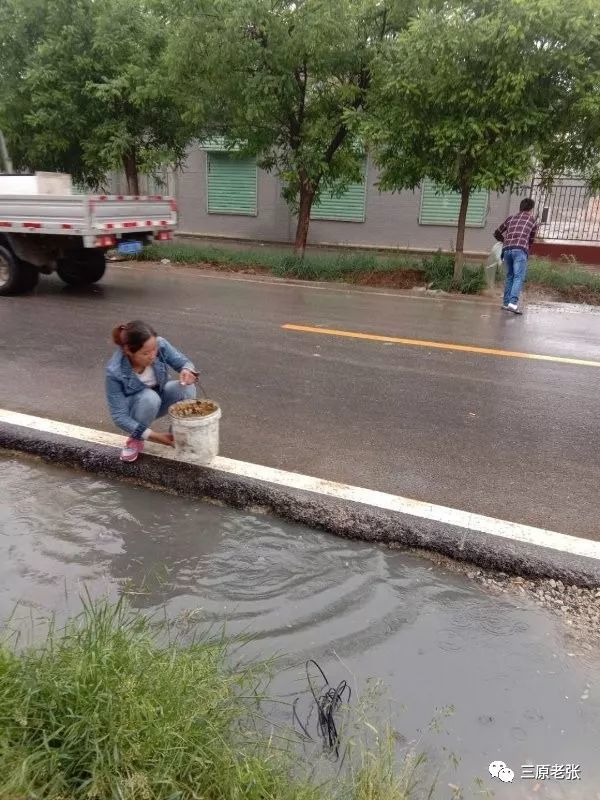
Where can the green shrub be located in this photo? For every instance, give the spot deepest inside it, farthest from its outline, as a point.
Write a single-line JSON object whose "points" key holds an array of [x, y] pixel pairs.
{"points": [[473, 280], [439, 272], [562, 278]]}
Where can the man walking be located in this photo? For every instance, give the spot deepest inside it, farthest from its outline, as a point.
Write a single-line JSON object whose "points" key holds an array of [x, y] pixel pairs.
{"points": [[516, 234]]}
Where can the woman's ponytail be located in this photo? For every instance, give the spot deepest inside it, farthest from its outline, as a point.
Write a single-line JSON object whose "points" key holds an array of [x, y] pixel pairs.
{"points": [[134, 335], [119, 336]]}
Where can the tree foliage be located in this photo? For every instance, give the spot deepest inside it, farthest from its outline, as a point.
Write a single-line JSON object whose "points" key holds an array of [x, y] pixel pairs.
{"points": [[279, 79], [472, 92], [83, 90]]}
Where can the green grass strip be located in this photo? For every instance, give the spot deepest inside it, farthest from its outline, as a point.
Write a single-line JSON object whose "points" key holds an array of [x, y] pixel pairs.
{"points": [[115, 707]]}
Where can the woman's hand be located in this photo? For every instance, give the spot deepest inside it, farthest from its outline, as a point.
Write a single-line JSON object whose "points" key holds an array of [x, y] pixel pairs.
{"points": [[187, 377], [162, 438]]}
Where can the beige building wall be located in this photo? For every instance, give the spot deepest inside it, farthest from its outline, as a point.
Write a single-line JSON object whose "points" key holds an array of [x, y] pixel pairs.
{"points": [[391, 219]]}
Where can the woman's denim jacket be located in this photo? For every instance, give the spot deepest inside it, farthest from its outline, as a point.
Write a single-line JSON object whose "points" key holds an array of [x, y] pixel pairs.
{"points": [[122, 383]]}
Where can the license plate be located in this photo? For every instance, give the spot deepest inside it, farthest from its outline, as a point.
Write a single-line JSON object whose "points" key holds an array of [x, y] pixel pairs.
{"points": [[130, 248]]}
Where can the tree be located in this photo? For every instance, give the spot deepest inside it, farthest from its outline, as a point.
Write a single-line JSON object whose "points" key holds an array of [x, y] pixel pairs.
{"points": [[575, 146], [471, 92], [21, 28], [278, 79], [90, 93], [44, 109]]}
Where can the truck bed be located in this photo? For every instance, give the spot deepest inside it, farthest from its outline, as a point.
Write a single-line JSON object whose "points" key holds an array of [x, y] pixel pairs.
{"points": [[88, 216]]}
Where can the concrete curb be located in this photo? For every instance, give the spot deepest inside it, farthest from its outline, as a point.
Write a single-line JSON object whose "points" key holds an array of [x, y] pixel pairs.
{"points": [[348, 519]]}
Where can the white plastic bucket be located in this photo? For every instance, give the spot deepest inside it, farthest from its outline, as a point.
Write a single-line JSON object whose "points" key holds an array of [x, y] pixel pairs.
{"points": [[196, 437]]}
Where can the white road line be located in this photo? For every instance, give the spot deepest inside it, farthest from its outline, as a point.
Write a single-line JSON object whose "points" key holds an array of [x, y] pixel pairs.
{"points": [[527, 534]]}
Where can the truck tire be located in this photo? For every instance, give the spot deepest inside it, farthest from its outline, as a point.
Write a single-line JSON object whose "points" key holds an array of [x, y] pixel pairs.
{"points": [[83, 268], [16, 276]]}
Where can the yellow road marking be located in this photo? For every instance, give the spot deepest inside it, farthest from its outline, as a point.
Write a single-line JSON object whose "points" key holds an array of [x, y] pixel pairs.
{"points": [[463, 348]]}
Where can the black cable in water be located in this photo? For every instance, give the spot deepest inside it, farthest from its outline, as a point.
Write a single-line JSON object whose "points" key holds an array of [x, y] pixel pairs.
{"points": [[327, 701]]}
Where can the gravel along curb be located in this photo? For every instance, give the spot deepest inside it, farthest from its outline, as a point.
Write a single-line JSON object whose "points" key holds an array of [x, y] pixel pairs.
{"points": [[576, 607]]}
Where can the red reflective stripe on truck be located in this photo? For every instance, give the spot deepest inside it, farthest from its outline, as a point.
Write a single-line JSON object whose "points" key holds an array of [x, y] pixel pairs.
{"points": [[130, 224], [5, 224], [32, 224], [66, 226], [109, 226]]}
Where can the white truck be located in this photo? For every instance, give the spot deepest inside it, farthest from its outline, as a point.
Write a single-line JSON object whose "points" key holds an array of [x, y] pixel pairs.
{"points": [[45, 228]]}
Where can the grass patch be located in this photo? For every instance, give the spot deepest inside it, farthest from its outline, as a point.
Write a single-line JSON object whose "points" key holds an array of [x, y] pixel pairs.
{"points": [[215, 256], [283, 263], [439, 270], [368, 269], [342, 267], [109, 708], [569, 282]]}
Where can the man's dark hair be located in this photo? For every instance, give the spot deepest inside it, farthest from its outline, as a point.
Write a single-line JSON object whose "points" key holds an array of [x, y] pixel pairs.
{"points": [[527, 204]]}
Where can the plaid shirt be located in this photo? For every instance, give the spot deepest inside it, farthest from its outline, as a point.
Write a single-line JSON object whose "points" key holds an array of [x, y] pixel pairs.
{"points": [[517, 232]]}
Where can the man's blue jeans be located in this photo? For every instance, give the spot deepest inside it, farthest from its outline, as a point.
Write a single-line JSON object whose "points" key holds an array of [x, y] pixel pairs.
{"points": [[147, 405], [516, 272]]}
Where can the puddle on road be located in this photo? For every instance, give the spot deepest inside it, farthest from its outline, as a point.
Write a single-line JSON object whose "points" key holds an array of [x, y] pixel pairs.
{"points": [[359, 610]]}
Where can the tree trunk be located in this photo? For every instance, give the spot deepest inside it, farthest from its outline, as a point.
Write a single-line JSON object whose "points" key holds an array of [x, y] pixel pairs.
{"points": [[131, 173], [459, 258], [307, 195]]}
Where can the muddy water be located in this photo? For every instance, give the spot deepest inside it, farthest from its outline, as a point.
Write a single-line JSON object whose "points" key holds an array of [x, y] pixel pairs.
{"points": [[515, 681]]}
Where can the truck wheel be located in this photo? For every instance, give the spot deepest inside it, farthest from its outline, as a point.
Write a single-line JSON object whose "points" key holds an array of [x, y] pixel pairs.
{"points": [[16, 276], [81, 269]]}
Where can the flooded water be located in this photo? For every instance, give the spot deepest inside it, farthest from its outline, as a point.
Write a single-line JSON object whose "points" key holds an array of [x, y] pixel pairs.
{"points": [[361, 611]]}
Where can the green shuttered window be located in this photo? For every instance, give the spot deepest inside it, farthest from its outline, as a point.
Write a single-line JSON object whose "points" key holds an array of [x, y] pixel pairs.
{"points": [[231, 184], [441, 208], [349, 207]]}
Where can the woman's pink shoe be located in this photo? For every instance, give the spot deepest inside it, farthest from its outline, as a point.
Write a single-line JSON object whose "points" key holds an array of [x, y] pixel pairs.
{"points": [[132, 449]]}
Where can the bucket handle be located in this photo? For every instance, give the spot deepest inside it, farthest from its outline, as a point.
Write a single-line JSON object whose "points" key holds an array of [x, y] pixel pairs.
{"points": [[199, 385]]}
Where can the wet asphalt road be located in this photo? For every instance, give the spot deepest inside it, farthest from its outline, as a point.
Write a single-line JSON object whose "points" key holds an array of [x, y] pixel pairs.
{"points": [[512, 438]]}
